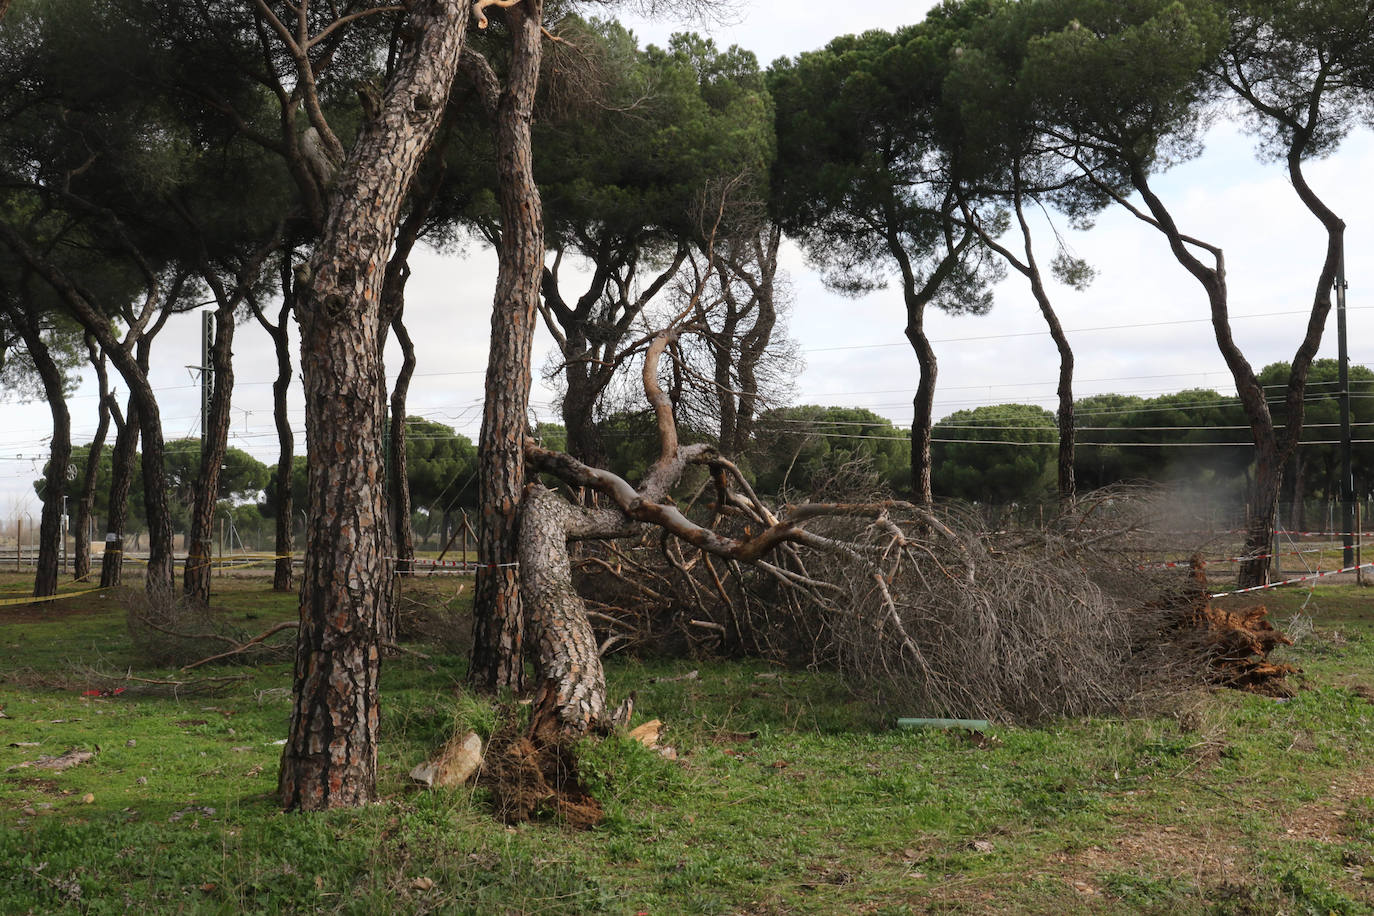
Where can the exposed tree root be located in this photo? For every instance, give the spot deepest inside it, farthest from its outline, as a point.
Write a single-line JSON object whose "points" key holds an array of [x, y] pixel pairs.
{"points": [[532, 774], [1236, 641]]}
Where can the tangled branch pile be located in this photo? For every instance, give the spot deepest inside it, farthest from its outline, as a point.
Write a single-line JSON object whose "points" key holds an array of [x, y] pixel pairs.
{"points": [[938, 616]]}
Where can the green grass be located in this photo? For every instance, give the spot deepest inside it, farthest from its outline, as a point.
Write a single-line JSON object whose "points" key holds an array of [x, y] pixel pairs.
{"points": [[791, 795]]}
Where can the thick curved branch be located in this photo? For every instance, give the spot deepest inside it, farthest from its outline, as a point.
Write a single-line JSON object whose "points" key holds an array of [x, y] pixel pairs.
{"points": [[480, 5]]}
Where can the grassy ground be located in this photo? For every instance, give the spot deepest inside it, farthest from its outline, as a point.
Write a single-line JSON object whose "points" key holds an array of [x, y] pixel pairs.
{"points": [[790, 795]]}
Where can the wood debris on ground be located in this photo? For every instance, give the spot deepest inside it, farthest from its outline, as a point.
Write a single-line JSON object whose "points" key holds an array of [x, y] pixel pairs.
{"points": [[1238, 640]]}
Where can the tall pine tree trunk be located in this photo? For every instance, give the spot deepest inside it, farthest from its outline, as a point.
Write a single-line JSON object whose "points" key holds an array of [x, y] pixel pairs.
{"points": [[214, 444], [121, 482], [330, 759], [286, 443], [400, 487], [283, 503], [59, 453], [923, 404], [498, 625], [85, 502]]}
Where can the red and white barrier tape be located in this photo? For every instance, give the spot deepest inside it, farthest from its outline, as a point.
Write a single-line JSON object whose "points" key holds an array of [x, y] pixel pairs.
{"points": [[1310, 578], [1175, 564]]}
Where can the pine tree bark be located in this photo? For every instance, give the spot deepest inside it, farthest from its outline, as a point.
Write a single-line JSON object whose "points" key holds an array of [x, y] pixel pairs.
{"points": [[214, 443], [282, 570], [121, 482], [498, 625], [917, 297], [330, 759], [567, 658], [59, 452], [85, 501], [402, 531], [579, 408], [286, 440]]}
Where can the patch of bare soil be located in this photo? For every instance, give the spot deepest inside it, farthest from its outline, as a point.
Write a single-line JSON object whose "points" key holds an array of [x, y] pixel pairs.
{"points": [[1325, 820], [1202, 857]]}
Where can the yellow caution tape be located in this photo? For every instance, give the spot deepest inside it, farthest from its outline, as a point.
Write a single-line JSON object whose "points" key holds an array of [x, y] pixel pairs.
{"points": [[6, 602]]}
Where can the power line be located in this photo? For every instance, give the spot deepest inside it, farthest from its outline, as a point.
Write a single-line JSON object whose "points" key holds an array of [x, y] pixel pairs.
{"points": [[1045, 332]]}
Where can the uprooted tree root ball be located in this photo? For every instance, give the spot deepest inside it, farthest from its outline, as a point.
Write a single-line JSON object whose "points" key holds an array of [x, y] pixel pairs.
{"points": [[1235, 641], [532, 774]]}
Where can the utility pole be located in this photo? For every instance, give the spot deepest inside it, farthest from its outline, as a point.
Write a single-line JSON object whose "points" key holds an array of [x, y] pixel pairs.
{"points": [[207, 372], [1343, 381]]}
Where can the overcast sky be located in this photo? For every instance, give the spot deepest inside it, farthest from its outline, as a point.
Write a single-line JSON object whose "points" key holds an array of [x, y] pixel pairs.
{"points": [[1141, 328]]}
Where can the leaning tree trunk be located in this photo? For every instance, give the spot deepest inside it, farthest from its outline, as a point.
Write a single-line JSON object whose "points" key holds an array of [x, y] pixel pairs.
{"points": [[330, 759], [214, 444], [1268, 477], [85, 503], [286, 439], [286, 443], [567, 658], [498, 626], [121, 482], [59, 455]]}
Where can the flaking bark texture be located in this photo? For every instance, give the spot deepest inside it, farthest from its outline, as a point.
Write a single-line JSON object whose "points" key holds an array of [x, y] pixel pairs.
{"points": [[566, 652], [330, 759], [498, 626]]}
